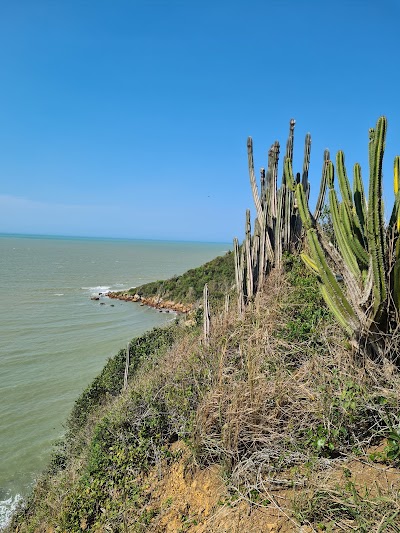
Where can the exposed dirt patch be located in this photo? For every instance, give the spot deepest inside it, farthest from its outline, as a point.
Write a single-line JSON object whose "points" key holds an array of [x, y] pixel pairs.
{"points": [[184, 497], [188, 498]]}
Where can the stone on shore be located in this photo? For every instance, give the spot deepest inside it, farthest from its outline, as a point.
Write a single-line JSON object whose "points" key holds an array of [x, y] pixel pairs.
{"points": [[152, 301]]}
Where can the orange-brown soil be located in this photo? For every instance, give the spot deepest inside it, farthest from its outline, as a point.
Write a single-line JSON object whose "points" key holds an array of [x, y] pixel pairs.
{"points": [[186, 498]]}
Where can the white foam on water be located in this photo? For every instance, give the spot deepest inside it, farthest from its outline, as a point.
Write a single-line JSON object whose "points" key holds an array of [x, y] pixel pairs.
{"points": [[58, 294], [7, 507], [99, 288]]}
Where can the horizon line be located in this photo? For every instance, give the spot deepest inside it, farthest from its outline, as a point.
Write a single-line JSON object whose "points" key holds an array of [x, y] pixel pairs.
{"points": [[88, 237]]}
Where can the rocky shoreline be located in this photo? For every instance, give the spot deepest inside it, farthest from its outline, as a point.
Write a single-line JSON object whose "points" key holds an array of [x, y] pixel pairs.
{"points": [[152, 301]]}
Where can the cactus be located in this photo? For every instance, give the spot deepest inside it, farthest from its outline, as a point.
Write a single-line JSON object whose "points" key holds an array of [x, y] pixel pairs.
{"points": [[249, 261], [365, 253], [367, 256], [322, 189], [375, 219], [278, 225]]}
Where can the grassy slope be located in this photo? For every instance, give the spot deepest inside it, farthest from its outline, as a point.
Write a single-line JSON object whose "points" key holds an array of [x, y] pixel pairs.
{"points": [[219, 274], [275, 399]]}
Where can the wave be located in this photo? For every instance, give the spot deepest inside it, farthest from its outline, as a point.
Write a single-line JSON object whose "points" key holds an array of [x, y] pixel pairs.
{"points": [[7, 507], [99, 288]]}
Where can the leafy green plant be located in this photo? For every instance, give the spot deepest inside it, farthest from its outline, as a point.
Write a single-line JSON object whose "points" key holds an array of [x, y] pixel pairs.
{"points": [[392, 449], [219, 274], [324, 440], [391, 452], [110, 381], [304, 305]]}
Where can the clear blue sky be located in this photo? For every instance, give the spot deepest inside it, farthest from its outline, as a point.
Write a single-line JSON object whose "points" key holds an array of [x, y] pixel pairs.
{"points": [[129, 118]]}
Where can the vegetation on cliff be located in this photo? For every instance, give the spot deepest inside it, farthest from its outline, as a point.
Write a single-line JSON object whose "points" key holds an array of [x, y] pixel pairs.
{"points": [[219, 274], [279, 399], [276, 400]]}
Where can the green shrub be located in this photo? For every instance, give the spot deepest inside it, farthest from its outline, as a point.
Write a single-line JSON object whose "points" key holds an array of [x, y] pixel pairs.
{"points": [[110, 381], [219, 274], [304, 305]]}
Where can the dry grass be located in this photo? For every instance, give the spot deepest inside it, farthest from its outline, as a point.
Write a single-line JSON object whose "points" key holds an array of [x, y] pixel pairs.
{"points": [[280, 408], [276, 406]]}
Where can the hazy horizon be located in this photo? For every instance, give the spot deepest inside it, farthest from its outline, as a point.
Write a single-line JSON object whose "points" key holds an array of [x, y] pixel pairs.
{"points": [[102, 237]]}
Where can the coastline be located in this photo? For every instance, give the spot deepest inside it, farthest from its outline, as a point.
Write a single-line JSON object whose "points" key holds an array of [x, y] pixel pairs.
{"points": [[155, 302], [94, 269]]}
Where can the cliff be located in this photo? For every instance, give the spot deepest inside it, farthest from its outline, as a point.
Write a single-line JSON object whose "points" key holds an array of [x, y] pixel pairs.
{"points": [[274, 424]]}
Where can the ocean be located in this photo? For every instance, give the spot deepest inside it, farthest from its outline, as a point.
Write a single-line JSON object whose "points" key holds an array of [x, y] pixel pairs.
{"points": [[54, 339]]}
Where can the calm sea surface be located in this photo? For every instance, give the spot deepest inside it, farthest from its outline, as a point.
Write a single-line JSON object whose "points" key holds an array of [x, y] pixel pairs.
{"points": [[54, 339]]}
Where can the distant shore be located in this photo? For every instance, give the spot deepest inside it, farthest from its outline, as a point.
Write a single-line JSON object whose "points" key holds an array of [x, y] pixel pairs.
{"points": [[152, 301]]}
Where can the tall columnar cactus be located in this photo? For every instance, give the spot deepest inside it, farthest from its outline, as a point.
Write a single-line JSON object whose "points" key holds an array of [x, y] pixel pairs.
{"points": [[278, 226], [366, 255]]}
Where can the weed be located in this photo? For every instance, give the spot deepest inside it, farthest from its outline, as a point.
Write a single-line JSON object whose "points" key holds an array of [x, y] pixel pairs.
{"points": [[348, 508], [303, 303]]}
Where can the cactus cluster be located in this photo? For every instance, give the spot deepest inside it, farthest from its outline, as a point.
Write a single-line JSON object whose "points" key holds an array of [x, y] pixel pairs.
{"points": [[359, 269], [277, 226], [359, 275]]}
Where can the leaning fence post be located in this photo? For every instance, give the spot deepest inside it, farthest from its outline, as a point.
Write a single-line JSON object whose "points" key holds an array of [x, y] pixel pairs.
{"points": [[127, 361], [226, 306], [206, 313]]}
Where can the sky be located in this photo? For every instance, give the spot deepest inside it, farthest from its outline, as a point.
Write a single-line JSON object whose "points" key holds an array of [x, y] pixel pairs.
{"points": [[129, 118]]}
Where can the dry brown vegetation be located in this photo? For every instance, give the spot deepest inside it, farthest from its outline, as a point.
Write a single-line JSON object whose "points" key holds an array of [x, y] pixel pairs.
{"points": [[275, 425]]}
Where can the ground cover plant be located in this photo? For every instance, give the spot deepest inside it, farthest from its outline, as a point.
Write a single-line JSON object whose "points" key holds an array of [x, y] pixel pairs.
{"points": [[235, 402]]}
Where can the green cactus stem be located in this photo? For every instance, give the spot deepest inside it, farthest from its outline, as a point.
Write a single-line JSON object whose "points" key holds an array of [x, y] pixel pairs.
{"points": [[254, 189], [306, 165], [332, 292], [360, 203], [322, 190], [343, 242], [375, 221]]}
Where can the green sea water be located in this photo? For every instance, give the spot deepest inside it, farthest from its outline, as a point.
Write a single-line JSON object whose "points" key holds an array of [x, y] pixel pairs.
{"points": [[54, 339]]}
